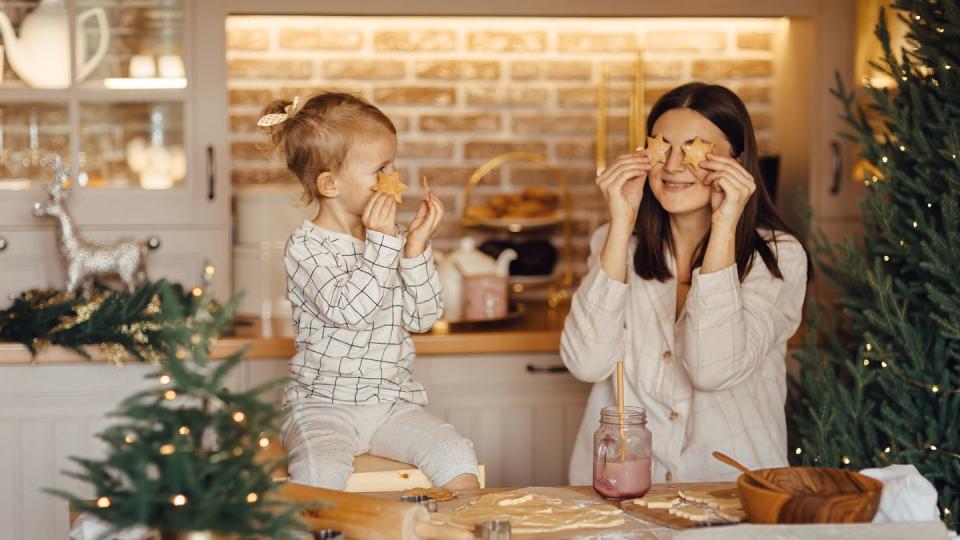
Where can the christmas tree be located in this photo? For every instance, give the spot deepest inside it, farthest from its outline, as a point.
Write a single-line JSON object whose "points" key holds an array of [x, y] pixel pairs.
{"points": [[183, 454], [880, 381]]}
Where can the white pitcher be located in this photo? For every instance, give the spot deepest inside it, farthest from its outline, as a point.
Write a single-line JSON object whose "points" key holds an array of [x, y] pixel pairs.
{"points": [[451, 286], [465, 262], [41, 55]]}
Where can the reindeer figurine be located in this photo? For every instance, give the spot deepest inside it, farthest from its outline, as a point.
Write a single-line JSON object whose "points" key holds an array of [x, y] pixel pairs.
{"points": [[86, 261]]}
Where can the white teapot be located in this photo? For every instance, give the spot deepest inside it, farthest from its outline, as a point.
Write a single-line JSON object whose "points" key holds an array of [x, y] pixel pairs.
{"points": [[467, 261], [41, 55]]}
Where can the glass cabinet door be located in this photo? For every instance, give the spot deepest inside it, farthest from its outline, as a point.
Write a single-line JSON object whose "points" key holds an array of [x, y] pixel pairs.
{"points": [[104, 84], [120, 44], [131, 145], [130, 45], [30, 131]]}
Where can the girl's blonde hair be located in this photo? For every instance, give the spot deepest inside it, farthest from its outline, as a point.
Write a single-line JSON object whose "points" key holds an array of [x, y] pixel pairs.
{"points": [[316, 138]]}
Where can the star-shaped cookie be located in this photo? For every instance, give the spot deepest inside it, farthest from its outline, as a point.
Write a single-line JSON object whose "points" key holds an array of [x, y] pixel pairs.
{"points": [[657, 149], [390, 183], [696, 152]]}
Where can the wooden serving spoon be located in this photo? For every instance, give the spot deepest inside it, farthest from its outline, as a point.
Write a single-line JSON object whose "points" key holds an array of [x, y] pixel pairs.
{"points": [[750, 474]]}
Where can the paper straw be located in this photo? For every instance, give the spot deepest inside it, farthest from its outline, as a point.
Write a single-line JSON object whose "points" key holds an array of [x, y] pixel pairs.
{"points": [[623, 435]]}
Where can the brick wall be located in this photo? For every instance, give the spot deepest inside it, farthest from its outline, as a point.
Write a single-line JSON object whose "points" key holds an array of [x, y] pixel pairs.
{"points": [[462, 91]]}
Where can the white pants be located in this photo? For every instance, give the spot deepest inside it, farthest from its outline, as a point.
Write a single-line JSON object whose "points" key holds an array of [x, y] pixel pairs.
{"points": [[321, 440]]}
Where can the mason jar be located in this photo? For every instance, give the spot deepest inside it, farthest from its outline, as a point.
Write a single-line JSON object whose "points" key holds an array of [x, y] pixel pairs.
{"points": [[622, 453]]}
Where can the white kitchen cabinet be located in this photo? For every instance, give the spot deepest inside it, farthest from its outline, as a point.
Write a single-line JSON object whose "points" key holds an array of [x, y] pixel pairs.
{"points": [[522, 416], [149, 160], [523, 423]]}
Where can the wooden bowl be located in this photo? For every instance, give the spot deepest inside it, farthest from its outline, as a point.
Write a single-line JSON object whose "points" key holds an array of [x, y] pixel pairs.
{"points": [[816, 495]]}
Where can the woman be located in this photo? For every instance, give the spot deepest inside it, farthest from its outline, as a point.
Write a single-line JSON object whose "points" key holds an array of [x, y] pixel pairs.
{"points": [[696, 285]]}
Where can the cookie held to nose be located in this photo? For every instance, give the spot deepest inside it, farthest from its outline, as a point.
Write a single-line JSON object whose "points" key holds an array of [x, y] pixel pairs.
{"points": [[390, 184]]}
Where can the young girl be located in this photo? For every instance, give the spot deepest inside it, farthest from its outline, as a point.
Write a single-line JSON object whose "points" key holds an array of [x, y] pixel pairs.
{"points": [[696, 285], [359, 285]]}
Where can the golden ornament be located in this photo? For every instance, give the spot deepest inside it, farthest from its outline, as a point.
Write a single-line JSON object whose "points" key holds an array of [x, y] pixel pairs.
{"points": [[113, 352], [83, 313], [153, 308]]}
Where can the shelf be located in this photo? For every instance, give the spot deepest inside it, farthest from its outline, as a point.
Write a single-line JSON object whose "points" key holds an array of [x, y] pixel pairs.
{"points": [[147, 84], [514, 225], [45, 95]]}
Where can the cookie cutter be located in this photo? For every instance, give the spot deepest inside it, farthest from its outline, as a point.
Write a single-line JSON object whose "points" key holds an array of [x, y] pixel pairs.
{"points": [[427, 502], [328, 534], [492, 530]]}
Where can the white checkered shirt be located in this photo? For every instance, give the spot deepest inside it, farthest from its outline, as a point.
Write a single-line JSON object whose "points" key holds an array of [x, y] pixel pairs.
{"points": [[355, 303]]}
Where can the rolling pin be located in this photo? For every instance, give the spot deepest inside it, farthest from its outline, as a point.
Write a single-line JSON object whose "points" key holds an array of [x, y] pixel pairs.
{"points": [[360, 516]]}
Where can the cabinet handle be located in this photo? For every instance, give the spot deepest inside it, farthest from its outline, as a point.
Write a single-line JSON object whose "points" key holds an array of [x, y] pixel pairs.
{"points": [[211, 173], [837, 167], [548, 369], [3, 244]]}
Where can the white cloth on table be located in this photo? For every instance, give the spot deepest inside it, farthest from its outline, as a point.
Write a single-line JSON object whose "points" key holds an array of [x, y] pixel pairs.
{"points": [[907, 495], [929, 530]]}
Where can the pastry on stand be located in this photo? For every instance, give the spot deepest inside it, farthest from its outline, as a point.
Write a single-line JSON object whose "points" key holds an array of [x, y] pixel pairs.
{"points": [[532, 209]]}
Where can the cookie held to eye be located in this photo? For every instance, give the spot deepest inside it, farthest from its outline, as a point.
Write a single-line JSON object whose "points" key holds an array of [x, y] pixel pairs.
{"points": [[657, 149], [696, 152], [390, 184]]}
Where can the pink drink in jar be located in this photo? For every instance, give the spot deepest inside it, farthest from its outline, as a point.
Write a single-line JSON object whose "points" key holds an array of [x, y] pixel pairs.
{"points": [[622, 454]]}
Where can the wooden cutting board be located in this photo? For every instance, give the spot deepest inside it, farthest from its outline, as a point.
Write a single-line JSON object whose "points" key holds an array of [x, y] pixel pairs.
{"points": [[662, 516]]}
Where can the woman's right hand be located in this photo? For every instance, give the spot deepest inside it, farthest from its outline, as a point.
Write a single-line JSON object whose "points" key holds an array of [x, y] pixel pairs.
{"points": [[380, 214], [622, 186]]}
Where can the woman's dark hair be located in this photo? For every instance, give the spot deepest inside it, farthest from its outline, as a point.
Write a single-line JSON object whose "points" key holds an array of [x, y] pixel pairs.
{"points": [[726, 111]]}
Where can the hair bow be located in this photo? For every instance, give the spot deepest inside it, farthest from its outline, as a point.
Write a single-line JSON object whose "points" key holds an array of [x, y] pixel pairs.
{"points": [[269, 120]]}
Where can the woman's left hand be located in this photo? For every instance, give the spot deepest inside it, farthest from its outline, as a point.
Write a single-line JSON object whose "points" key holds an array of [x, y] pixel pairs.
{"points": [[732, 188], [423, 225]]}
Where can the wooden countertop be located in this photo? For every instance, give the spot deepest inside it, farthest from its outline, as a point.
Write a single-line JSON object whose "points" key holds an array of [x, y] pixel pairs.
{"points": [[538, 330]]}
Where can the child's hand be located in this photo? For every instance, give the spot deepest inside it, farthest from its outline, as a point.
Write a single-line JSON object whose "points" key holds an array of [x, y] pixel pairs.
{"points": [[423, 225], [380, 214]]}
